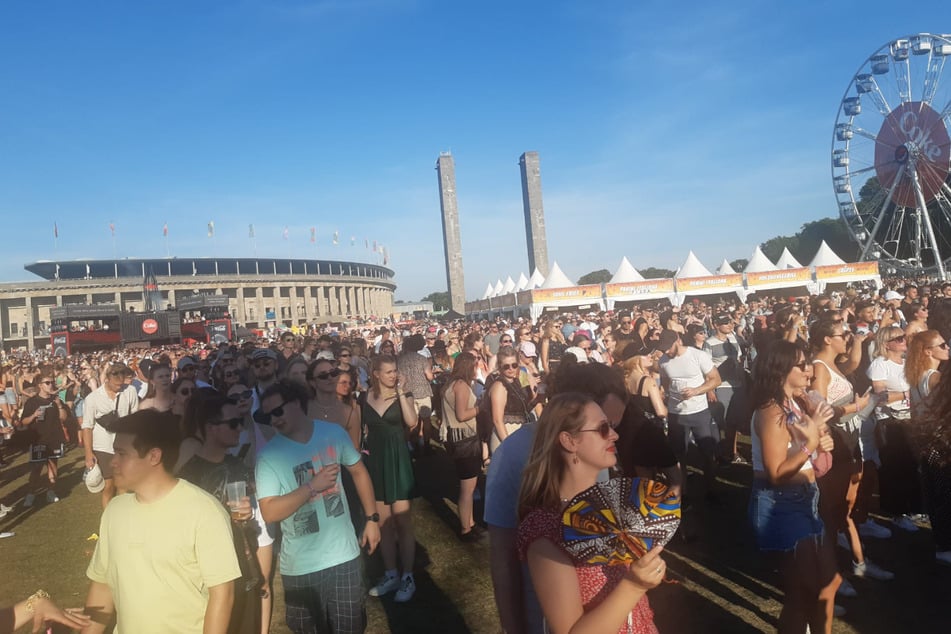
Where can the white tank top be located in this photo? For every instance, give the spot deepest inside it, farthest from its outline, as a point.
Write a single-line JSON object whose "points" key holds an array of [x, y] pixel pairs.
{"points": [[792, 418]]}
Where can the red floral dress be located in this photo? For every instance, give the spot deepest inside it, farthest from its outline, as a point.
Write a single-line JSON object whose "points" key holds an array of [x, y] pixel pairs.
{"points": [[596, 582]]}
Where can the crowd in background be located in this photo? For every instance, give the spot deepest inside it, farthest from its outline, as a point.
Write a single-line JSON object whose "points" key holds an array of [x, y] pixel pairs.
{"points": [[844, 397]]}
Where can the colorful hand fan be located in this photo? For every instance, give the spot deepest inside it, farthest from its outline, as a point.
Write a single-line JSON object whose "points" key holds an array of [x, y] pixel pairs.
{"points": [[618, 521]]}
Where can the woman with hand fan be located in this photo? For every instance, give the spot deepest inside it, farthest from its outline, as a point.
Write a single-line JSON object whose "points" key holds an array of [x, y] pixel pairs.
{"points": [[574, 441], [787, 432]]}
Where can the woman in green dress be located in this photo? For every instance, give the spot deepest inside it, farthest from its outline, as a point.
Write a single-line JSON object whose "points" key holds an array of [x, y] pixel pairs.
{"points": [[387, 412]]}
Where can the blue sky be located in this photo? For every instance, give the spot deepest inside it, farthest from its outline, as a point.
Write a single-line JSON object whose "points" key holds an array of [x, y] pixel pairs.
{"points": [[661, 127]]}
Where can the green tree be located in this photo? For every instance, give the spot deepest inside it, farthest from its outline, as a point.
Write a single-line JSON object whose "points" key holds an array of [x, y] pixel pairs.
{"points": [[653, 273], [804, 244], [740, 264], [601, 276], [440, 300]]}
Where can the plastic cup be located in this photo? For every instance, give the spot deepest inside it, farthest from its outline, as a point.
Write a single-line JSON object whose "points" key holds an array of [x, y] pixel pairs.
{"points": [[235, 491]]}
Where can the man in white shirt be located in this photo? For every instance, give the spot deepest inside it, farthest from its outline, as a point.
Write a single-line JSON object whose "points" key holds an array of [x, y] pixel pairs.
{"points": [[688, 374], [113, 399]]}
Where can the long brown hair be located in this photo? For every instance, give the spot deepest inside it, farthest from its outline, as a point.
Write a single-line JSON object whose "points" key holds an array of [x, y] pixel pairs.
{"points": [[917, 359], [378, 362], [543, 473]]}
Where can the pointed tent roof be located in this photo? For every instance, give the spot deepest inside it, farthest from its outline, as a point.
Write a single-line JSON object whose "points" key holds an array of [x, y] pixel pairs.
{"points": [[488, 292], [536, 280], [626, 273], [725, 268], [787, 261], [498, 288], [522, 283], [557, 278], [825, 256], [692, 267], [509, 286], [759, 262]]}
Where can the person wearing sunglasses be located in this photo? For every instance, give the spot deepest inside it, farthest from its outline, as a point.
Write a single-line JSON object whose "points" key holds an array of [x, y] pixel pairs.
{"points": [[788, 433], [322, 376], [299, 485], [898, 486], [43, 417], [574, 442], [509, 402], [211, 468], [836, 355]]}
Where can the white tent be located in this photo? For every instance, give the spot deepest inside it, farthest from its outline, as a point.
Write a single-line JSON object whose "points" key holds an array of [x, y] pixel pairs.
{"points": [[536, 280], [488, 292], [725, 268], [692, 267], [825, 256], [509, 286], [759, 262], [556, 278], [498, 288], [626, 273], [522, 283], [787, 261]]}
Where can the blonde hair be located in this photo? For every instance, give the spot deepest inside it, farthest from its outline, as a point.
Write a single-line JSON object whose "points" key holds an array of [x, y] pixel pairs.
{"points": [[541, 479], [883, 336]]}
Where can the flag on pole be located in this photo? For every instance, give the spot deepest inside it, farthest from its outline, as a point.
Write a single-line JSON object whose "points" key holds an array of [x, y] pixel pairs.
{"points": [[251, 231], [336, 237], [353, 241], [112, 228], [211, 228], [374, 246], [285, 234], [313, 234], [165, 230], [366, 243], [386, 256], [55, 230]]}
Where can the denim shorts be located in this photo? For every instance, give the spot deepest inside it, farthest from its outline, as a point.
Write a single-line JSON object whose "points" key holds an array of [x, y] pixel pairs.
{"points": [[783, 515]]}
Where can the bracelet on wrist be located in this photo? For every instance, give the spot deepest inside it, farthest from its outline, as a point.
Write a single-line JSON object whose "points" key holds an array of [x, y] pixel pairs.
{"points": [[804, 448], [36, 596]]}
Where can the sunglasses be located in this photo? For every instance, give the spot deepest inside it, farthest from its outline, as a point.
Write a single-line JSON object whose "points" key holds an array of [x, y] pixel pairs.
{"points": [[505, 341], [264, 418], [233, 423], [604, 429], [898, 339], [943, 345], [343, 355], [330, 374], [241, 396], [508, 366]]}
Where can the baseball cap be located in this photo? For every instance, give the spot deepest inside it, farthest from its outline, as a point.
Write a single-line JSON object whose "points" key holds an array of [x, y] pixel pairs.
{"points": [[667, 339], [577, 353], [263, 353], [528, 349], [184, 362], [722, 319], [94, 480], [325, 355], [892, 296]]}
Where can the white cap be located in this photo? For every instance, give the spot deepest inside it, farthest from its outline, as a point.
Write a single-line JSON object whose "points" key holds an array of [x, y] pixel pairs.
{"points": [[94, 480], [892, 296]]}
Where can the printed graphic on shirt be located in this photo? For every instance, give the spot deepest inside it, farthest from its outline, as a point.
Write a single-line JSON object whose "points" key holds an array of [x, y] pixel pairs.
{"points": [[305, 518], [333, 502]]}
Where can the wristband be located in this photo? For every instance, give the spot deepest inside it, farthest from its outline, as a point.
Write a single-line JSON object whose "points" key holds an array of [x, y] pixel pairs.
{"points": [[313, 491], [804, 448], [31, 602]]}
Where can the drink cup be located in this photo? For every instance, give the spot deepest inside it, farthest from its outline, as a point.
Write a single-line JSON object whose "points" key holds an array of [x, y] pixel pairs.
{"points": [[235, 491]]}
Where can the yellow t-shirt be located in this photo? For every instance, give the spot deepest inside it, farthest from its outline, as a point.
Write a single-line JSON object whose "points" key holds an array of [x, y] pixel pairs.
{"points": [[159, 559]]}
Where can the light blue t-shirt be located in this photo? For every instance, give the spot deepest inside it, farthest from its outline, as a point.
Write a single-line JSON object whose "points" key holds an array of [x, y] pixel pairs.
{"points": [[504, 478], [319, 535]]}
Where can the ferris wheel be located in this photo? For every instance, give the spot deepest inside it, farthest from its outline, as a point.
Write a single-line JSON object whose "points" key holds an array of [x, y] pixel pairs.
{"points": [[891, 155]]}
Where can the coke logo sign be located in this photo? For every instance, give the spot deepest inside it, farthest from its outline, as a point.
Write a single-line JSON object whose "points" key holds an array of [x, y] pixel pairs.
{"points": [[908, 123], [150, 326]]}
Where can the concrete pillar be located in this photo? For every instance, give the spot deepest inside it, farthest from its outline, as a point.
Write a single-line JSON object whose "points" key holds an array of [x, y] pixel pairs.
{"points": [[259, 306], [452, 242], [241, 314], [89, 299], [292, 303], [351, 302], [171, 298], [308, 304], [29, 322], [534, 214], [119, 300]]}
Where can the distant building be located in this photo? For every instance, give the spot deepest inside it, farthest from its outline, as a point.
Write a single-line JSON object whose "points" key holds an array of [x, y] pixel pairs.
{"points": [[262, 292]]}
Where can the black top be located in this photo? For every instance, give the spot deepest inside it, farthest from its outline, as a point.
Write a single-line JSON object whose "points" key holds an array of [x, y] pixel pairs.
{"points": [[48, 431], [642, 442]]}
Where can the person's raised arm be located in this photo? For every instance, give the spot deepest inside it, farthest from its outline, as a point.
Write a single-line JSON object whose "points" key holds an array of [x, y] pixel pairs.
{"points": [[218, 610]]}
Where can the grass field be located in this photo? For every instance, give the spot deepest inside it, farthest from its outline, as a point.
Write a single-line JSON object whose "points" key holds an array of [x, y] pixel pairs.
{"points": [[719, 582]]}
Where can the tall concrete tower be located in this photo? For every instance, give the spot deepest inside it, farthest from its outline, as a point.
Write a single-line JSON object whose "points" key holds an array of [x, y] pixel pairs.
{"points": [[446, 171], [534, 213]]}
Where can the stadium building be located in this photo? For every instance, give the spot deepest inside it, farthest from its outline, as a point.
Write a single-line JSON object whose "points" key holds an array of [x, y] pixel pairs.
{"points": [[262, 292]]}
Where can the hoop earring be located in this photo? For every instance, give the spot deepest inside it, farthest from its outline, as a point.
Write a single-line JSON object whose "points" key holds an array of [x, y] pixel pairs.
{"points": [[575, 459]]}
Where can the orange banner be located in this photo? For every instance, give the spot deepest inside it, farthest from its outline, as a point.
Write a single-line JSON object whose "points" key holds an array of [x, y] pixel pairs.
{"points": [[571, 293], [725, 283], [765, 278], [646, 287], [854, 270]]}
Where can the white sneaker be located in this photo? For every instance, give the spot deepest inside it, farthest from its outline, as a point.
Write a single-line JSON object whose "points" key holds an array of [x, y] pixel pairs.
{"points": [[870, 528], [904, 522], [846, 589], [5, 509], [29, 500], [869, 570], [406, 591], [386, 585], [5, 535], [51, 497], [943, 557]]}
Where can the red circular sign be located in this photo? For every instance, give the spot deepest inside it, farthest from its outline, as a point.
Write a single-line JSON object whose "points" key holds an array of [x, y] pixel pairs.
{"points": [[912, 136], [150, 326]]}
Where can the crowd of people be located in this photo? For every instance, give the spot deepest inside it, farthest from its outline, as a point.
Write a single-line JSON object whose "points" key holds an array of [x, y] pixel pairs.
{"points": [[218, 466]]}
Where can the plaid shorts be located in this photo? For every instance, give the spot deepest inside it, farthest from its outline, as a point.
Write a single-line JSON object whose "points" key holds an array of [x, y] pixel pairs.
{"points": [[327, 601]]}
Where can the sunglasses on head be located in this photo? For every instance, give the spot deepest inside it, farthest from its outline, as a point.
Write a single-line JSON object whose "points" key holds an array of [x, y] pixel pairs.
{"points": [[233, 423], [330, 374], [605, 429], [241, 396]]}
